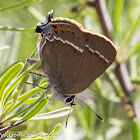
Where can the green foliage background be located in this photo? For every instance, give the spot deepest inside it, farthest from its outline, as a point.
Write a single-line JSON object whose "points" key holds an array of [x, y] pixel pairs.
{"points": [[105, 94]]}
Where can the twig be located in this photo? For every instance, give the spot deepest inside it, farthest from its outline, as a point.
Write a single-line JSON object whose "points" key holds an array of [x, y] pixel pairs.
{"points": [[5, 129], [104, 18], [123, 77]]}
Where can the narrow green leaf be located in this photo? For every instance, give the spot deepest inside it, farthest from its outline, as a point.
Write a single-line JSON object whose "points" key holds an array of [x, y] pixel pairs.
{"points": [[31, 56], [36, 14], [52, 134], [21, 76], [57, 128], [19, 5], [8, 77], [113, 84], [21, 101], [19, 88], [36, 109], [129, 34], [118, 12], [133, 66], [24, 97], [32, 100], [26, 109], [134, 49], [16, 29], [53, 114], [32, 92], [135, 130], [135, 81], [29, 101], [1, 74], [49, 115], [9, 109], [16, 105], [98, 85]]}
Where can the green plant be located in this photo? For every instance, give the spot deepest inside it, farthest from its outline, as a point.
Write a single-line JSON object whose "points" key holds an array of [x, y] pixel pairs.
{"points": [[115, 95]]}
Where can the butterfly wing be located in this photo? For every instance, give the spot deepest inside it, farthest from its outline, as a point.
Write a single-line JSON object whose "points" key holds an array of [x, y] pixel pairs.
{"points": [[74, 57]]}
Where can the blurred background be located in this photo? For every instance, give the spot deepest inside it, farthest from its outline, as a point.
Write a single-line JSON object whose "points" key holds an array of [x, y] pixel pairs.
{"points": [[106, 95]]}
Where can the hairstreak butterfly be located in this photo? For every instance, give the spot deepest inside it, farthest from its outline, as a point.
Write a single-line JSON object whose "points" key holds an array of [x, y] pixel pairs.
{"points": [[72, 57]]}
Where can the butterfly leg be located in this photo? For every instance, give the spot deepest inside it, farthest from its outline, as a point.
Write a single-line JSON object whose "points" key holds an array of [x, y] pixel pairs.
{"points": [[47, 92], [39, 74], [37, 85]]}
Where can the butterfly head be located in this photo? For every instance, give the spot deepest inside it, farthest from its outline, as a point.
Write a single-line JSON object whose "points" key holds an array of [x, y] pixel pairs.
{"points": [[44, 27]]}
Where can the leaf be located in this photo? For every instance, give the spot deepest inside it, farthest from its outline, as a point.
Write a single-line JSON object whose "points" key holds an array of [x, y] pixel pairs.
{"points": [[8, 77], [53, 114], [50, 115], [36, 14], [29, 101], [16, 29], [21, 76], [118, 12], [132, 51], [135, 81], [25, 110], [9, 68], [135, 130], [19, 88], [31, 56], [133, 66], [35, 109], [32, 92], [57, 128], [129, 34], [113, 84], [24, 97], [53, 133], [9, 109], [19, 5]]}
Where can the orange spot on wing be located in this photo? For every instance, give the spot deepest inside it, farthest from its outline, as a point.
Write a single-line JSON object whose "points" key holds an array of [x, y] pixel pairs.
{"points": [[55, 29], [62, 29]]}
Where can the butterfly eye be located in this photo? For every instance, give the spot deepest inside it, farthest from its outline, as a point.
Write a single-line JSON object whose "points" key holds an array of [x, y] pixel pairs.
{"points": [[38, 30], [70, 100]]}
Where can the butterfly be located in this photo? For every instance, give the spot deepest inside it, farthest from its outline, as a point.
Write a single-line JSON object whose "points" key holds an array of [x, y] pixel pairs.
{"points": [[72, 57]]}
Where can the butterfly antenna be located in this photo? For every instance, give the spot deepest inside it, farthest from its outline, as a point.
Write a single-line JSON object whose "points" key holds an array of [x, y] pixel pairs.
{"points": [[68, 117], [91, 110]]}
